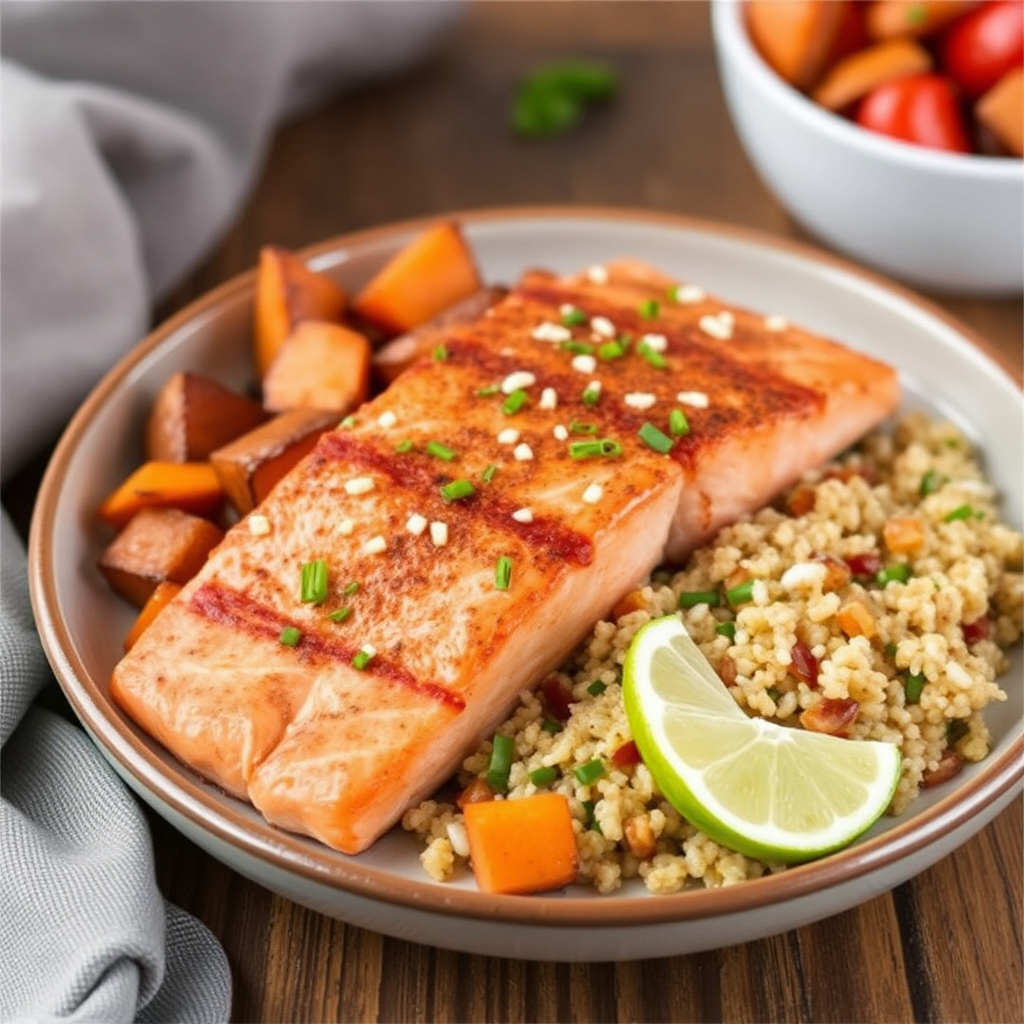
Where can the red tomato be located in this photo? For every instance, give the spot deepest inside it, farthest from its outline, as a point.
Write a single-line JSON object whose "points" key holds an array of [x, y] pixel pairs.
{"points": [[979, 48], [922, 109]]}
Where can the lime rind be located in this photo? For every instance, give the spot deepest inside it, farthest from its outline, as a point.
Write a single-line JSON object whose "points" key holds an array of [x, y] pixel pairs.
{"points": [[766, 790]]}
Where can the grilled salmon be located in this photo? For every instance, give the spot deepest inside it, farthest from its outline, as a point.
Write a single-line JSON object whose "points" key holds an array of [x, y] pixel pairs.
{"points": [[469, 528]]}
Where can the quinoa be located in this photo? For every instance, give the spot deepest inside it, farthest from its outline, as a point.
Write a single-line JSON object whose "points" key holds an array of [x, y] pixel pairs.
{"points": [[916, 652]]}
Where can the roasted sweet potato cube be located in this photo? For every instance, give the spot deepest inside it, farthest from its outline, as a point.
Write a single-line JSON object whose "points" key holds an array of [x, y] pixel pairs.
{"points": [[163, 593], [434, 271], [157, 544], [194, 415], [189, 486], [288, 292], [250, 465], [320, 366], [396, 356]]}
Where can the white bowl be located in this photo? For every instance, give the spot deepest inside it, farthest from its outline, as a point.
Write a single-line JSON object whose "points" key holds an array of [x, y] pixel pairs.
{"points": [[942, 221], [944, 369]]}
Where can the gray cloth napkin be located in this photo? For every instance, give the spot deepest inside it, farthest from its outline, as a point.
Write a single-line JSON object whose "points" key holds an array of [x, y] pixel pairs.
{"points": [[131, 133]]}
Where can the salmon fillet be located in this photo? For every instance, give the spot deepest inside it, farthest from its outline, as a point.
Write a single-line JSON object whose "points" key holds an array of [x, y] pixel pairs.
{"points": [[337, 735]]}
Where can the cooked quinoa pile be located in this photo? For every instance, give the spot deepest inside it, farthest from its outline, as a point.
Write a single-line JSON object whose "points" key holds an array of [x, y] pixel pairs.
{"points": [[876, 600]]}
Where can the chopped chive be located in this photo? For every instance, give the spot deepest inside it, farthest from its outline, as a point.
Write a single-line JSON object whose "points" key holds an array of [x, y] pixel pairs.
{"points": [[652, 356], [347, 423], [551, 725], [501, 763], [351, 588], [488, 474], [314, 582], [577, 348], [912, 687], [726, 629], [404, 446], [611, 350], [503, 573], [578, 427], [692, 598], [930, 483], [514, 402], [589, 772], [290, 636], [341, 614], [650, 308], [960, 512], [890, 649], [588, 816], [604, 448], [741, 593], [440, 353], [899, 572], [654, 438], [678, 424], [487, 390], [574, 317], [590, 397], [440, 451], [363, 657], [544, 775], [457, 490], [773, 693], [596, 688]]}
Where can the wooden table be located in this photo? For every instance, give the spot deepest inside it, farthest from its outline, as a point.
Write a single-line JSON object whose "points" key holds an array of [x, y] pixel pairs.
{"points": [[943, 947]]}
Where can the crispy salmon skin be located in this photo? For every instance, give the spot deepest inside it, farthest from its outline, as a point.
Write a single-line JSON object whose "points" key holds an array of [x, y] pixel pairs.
{"points": [[473, 523]]}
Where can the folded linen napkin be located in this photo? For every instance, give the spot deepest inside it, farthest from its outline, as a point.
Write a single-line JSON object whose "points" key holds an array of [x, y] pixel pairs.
{"points": [[132, 131]]}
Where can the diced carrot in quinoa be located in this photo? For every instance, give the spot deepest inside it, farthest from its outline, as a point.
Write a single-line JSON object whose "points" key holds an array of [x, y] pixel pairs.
{"points": [[903, 534], [523, 845], [855, 619], [632, 602]]}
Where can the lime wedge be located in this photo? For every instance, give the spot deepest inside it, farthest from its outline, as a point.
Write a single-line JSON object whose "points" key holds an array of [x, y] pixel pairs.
{"points": [[769, 791]]}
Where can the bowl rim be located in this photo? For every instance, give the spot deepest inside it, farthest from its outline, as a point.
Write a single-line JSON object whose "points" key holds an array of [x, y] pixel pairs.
{"points": [[734, 42], [137, 759]]}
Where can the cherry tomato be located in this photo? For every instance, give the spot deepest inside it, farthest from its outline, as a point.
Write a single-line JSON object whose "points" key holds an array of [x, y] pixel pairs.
{"points": [[921, 109], [983, 45]]}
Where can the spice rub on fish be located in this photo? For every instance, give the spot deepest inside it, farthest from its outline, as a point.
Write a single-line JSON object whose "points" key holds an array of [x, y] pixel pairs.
{"points": [[469, 528]]}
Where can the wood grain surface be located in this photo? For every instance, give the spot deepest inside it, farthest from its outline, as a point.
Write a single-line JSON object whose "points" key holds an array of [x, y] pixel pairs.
{"points": [[946, 946]]}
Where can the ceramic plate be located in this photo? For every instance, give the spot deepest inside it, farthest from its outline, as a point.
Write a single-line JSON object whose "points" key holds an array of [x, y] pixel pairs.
{"points": [[944, 369]]}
